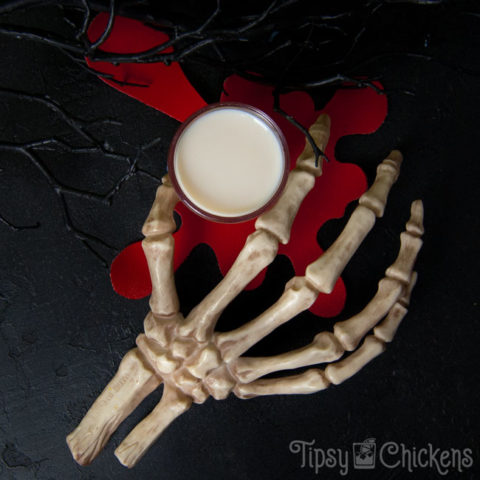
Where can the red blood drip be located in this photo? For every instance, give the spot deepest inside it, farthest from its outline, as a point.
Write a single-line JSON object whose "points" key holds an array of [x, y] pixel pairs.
{"points": [[158, 80]]}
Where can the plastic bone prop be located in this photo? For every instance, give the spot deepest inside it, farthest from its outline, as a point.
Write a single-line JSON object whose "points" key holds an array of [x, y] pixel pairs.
{"points": [[193, 361]]}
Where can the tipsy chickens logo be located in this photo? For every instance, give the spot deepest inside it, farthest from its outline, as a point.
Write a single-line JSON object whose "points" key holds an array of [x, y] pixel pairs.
{"points": [[367, 455]]}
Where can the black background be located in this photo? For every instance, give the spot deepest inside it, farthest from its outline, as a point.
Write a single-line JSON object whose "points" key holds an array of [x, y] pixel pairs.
{"points": [[63, 330]]}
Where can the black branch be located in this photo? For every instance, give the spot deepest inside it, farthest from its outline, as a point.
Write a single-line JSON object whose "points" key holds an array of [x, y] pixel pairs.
{"points": [[278, 44], [128, 167]]}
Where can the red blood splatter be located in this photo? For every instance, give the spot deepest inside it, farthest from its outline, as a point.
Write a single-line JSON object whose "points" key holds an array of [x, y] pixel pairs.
{"points": [[351, 111]]}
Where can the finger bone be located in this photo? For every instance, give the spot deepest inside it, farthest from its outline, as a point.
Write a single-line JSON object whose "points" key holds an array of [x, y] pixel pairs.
{"points": [[310, 381], [339, 372], [133, 381], [324, 348], [297, 297], [324, 272], [134, 446]]}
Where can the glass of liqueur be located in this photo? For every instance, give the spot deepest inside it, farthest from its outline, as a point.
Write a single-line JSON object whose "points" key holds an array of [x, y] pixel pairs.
{"points": [[229, 162]]}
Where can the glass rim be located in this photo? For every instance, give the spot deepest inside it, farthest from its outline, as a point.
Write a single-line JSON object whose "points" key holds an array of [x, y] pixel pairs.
{"points": [[205, 213]]}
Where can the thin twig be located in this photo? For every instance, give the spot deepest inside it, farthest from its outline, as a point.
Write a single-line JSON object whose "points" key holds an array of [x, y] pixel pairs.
{"points": [[41, 37], [316, 149], [339, 80], [108, 29]]}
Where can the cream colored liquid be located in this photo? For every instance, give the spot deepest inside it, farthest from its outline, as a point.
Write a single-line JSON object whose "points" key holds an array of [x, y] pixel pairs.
{"points": [[229, 162]]}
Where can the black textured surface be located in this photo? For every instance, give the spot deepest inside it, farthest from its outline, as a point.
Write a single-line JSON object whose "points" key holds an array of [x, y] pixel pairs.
{"points": [[63, 330]]}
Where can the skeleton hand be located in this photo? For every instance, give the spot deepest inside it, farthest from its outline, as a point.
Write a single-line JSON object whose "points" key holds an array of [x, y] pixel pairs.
{"points": [[193, 361]]}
